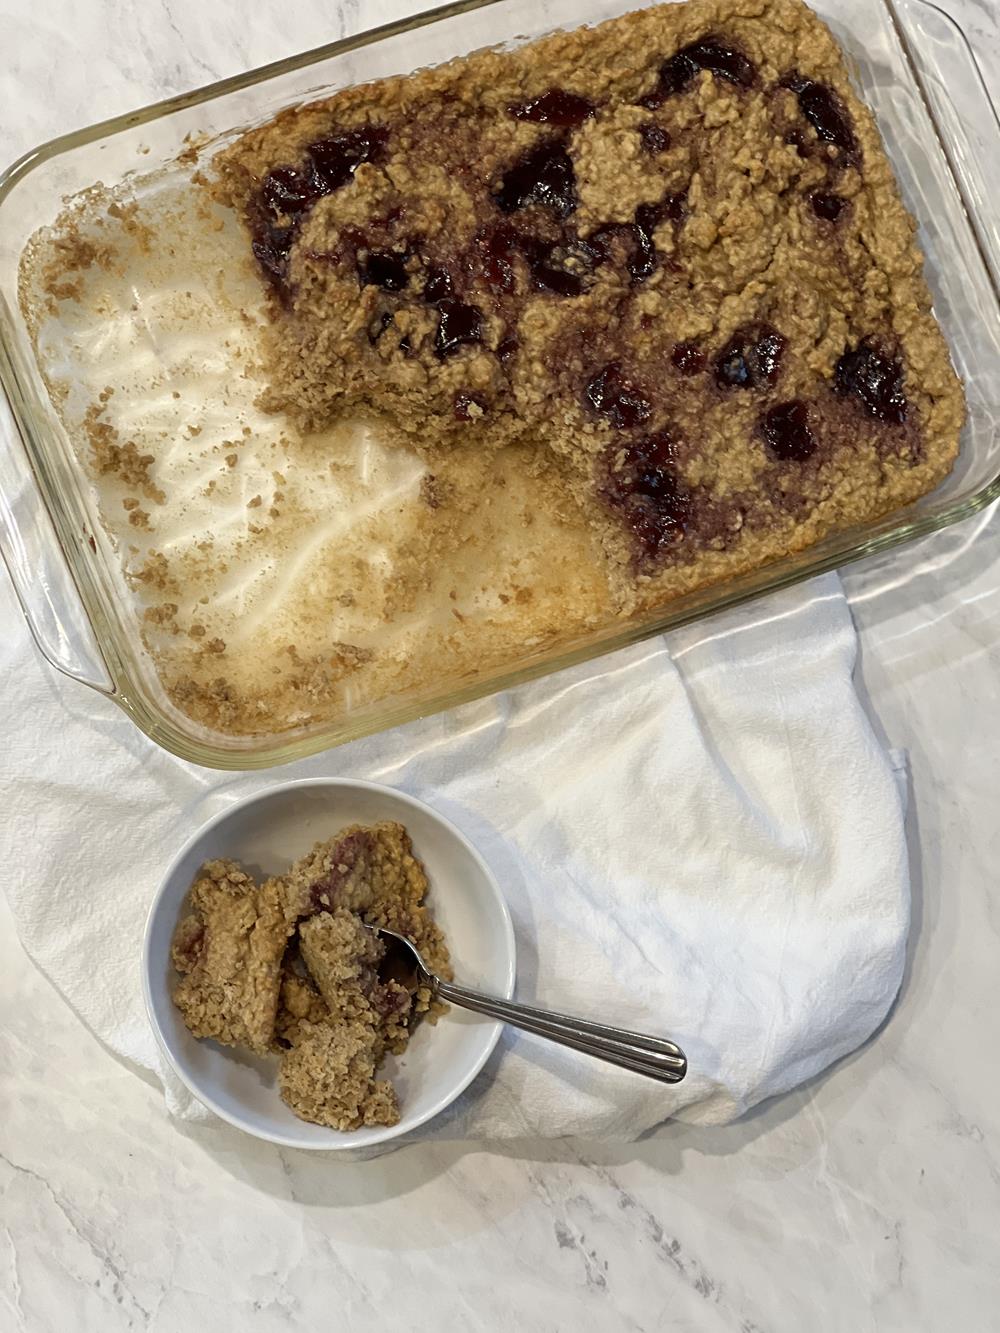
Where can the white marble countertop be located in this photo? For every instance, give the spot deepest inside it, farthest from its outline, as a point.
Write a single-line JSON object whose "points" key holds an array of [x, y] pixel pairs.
{"points": [[867, 1200]]}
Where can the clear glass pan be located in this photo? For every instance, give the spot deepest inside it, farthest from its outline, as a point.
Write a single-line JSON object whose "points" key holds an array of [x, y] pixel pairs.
{"points": [[912, 65]]}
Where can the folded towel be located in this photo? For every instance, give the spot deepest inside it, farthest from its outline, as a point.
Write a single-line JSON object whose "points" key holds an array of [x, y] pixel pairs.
{"points": [[699, 835]]}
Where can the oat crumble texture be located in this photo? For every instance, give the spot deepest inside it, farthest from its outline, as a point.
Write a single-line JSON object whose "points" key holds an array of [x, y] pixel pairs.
{"points": [[668, 252], [292, 968], [498, 358], [228, 951]]}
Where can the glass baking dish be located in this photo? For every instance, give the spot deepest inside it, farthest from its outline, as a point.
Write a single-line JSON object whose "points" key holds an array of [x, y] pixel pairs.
{"points": [[912, 65]]}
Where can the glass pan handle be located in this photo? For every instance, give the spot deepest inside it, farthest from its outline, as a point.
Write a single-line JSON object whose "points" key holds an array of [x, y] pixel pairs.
{"points": [[38, 571]]}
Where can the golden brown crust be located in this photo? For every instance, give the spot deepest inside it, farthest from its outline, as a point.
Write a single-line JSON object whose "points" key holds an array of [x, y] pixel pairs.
{"points": [[321, 1003], [749, 250], [228, 950], [406, 553], [328, 1077]]}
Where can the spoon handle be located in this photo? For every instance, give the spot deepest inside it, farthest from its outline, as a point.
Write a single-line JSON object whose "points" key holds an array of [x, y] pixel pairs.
{"points": [[655, 1057]]}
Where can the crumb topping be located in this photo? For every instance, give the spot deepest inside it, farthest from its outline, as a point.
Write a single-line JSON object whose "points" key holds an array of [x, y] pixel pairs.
{"points": [[291, 966]]}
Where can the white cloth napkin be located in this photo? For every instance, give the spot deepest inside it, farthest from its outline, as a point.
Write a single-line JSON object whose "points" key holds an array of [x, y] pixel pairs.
{"points": [[699, 835]]}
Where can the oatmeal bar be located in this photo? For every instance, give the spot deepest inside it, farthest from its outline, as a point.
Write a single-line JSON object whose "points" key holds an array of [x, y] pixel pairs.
{"points": [[343, 958], [228, 950], [339, 1032], [291, 968], [328, 1074], [370, 871], [328, 1077], [667, 251]]}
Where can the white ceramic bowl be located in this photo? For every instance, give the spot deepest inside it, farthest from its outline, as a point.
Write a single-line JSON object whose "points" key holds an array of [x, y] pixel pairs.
{"points": [[266, 832]]}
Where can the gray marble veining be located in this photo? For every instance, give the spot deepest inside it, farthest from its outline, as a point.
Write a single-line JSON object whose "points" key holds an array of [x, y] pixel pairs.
{"points": [[867, 1201]]}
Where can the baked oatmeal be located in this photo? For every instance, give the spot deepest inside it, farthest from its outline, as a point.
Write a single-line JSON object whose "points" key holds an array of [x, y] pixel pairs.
{"points": [[228, 950], [668, 252], [299, 1002], [293, 967], [370, 871], [364, 1016], [328, 1078], [548, 338]]}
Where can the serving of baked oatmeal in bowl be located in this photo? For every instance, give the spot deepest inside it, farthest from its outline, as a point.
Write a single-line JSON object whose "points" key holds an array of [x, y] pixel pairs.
{"points": [[271, 993]]}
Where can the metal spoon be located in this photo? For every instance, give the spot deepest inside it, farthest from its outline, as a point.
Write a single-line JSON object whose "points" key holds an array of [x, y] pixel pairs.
{"points": [[655, 1057]]}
